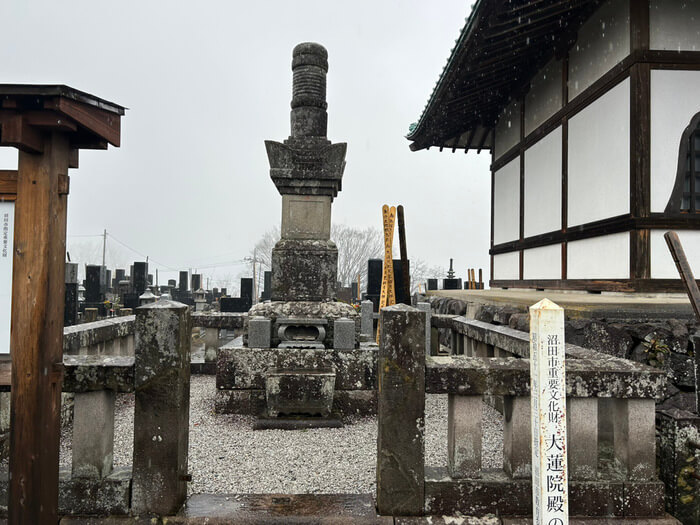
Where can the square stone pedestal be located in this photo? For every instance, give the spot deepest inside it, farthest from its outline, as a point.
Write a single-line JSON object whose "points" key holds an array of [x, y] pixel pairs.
{"points": [[299, 392]]}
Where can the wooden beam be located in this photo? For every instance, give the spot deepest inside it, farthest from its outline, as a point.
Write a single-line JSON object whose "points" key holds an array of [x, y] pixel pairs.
{"points": [[37, 333], [16, 131], [50, 120], [684, 270], [103, 123]]}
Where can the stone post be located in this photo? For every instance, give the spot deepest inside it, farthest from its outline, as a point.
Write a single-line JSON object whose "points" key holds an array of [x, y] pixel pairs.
{"points": [[211, 344], [367, 321], [634, 435], [401, 412], [161, 414], [93, 434], [464, 436], [425, 307]]}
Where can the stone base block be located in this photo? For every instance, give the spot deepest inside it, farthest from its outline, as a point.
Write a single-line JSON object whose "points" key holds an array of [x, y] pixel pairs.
{"points": [[498, 494], [296, 423], [246, 368], [85, 497], [304, 270], [346, 403], [299, 392]]}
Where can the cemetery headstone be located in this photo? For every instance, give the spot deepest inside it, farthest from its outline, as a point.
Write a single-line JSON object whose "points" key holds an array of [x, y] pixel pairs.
{"points": [[70, 312], [183, 282], [196, 281], [140, 277], [432, 284]]}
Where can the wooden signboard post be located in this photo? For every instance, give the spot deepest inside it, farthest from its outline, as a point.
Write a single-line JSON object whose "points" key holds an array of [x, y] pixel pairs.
{"points": [[48, 125], [387, 295], [550, 501]]}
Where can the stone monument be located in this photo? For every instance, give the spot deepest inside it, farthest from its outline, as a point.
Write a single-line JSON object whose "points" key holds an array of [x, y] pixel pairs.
{"points": [[301, 356], [307, 170]]}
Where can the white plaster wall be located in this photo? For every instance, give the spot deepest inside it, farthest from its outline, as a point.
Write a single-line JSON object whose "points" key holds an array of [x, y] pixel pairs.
{"points": [[674, 101], [603, 41], [599, 158], [507, 132], [506, 203], [542, 263], [674, 25], [506, 266], [662, 265], [606, 257], [544, 98], [543, 185]]}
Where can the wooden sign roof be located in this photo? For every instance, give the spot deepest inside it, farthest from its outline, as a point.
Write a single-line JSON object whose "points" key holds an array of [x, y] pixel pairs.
{"points": [[501, 47], [27, 112]]}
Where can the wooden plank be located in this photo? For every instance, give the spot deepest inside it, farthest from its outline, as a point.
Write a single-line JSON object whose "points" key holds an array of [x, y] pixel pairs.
{"points": [[686, 273], [404, 253], [37, 333]]}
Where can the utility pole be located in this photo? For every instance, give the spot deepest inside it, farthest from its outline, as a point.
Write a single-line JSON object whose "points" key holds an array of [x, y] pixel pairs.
{"points": [[255, 282], [104, 246]]}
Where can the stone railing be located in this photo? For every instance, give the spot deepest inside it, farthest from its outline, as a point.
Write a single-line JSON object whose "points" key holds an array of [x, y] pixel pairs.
{"points": [[114, 336], [610, 418], [158, 373], [211, 325]]}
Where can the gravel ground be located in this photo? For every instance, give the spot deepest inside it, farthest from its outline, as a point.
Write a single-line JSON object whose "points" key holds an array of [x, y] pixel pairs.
{"points": [[227, 456]]}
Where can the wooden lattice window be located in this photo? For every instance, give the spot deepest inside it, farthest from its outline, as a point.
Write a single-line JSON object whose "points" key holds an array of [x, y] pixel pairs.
{"points": [[685, 197]]}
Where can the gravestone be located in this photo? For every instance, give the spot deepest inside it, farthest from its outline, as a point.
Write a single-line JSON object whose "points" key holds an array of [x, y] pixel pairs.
{"points": [[399, 292], [140, 277], [247, 289], [70, 313], [183, 282], [432, 284], [354, 292], [267, 286], [172, 283], [196, 282], [93, 288], [107, 285]]}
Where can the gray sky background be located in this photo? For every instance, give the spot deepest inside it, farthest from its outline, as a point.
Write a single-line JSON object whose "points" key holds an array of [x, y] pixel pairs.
{"points": [[207, 82]]}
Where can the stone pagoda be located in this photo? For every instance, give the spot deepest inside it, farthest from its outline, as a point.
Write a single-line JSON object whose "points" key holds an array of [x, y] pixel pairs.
{"points": [[301, 353]]}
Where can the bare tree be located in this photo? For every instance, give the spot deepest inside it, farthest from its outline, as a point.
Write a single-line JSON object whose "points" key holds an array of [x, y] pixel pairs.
{"points": [[355, 247], [421, 272]]}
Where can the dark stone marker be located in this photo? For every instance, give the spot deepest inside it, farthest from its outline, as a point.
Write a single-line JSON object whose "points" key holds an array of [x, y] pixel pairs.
{"points": [[140, 277], [432, 284], [93, 288], [234, 304], [452, 284], [354, 292], [374, 276], [247, 288], [119, 274], [150, 279], [172, 283], [183, 282], [107, 284], [401, 297], [401, 412], [162, 406], [223, 291], [267, 287], [70, 312], [196, 281]]}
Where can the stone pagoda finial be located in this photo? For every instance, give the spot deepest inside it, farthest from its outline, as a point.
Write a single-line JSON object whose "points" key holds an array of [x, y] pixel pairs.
{"points": [[307, 163]]}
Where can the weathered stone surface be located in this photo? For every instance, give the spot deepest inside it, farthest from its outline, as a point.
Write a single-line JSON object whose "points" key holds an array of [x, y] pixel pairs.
{"points": [[464, 436], [604, 337], [245, 368], [644, 499], [346, 403], [84, 496], [367, 323], [87, 373], [96, 334], [401, 412], [510, 376], [677, 429], [328, 310], [93, 434], [162, 402], [225, 320], [304, 270], [299, 392], [259, 332], [344, 334]]}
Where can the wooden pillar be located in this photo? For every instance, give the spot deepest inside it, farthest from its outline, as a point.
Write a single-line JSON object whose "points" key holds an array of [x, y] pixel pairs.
{"points": [[37, 331]]}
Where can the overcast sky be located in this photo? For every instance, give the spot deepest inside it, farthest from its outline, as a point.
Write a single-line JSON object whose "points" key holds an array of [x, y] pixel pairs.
{"points": [[207, 82]]}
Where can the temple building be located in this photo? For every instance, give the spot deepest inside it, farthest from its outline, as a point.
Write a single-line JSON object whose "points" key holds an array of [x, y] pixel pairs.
{"points": [[591, 112]]}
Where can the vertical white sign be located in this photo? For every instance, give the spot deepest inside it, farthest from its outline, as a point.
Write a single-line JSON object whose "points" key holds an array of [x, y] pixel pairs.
{"points": [[7, 230], [550, 496]]}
